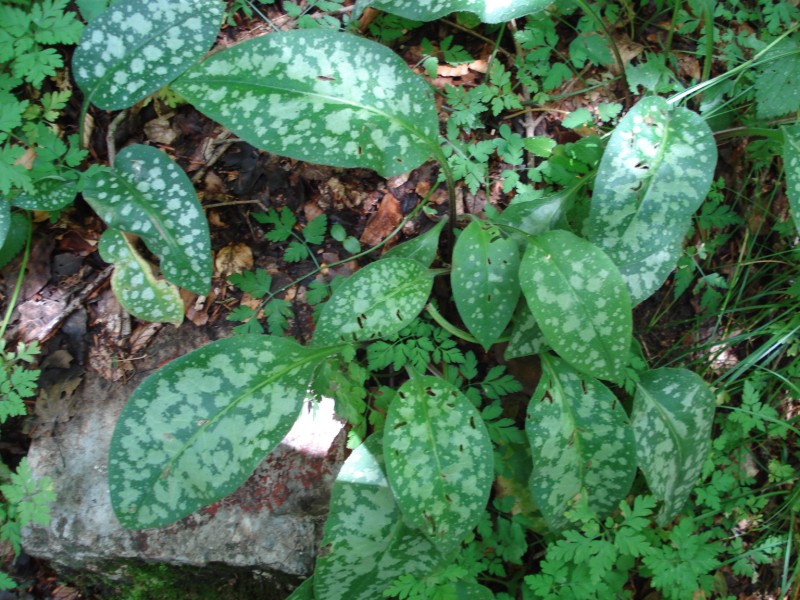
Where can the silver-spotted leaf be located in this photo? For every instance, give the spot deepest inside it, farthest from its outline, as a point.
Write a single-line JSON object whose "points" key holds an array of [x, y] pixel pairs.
{"points": [[148, 194], [488, 11], [580, 302], [581, 441], [305, 591], [673, 410], [438, 459], [366, 544], [377, 301], [485, 281], [17, 234], [51, 194], [539, 214], [655, 172], [5, 220], [320, 96], [135, 48], [527, 338], [472, 591], [195, 430], [791, 162], [422, 247], [135, 286]]}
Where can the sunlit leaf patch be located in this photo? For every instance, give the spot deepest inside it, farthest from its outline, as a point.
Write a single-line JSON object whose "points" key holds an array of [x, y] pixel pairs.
{"points": [[488, 11]]}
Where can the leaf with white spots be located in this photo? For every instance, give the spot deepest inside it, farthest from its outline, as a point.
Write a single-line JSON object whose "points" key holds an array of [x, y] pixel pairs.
{"points": [[484, 281], [51, 194], [581, 441], [135, 286], [539, 214], [5, 219], [791, 162], [655, 172], [488, 11], [527, 338], [673, 411], [579, 299], [422, 247], [195, 430], [148, 194], [320, 96], [135, 48], [438, 459], [366, 544], [467, 590], [377, 301]]}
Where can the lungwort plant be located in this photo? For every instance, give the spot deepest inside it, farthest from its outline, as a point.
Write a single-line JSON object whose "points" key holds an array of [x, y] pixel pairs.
{"points": [[553, 278]]}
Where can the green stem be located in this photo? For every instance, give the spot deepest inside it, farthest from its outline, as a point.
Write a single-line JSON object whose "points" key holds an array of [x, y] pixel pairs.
{"points": [[448, 326], [708, 5], [740, 132], [17, 287], [617, 57], [82, 121]]}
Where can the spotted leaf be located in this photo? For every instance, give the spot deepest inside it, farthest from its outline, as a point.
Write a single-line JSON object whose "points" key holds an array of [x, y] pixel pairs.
{"points": [[540, 214], [673, 410], [195, 430], [422, 247], [579, 299], [148, 194], [581, 442], [466, 590], [134, 48], [488, 11], [5, 220], [791, 161], [51, 194], [135, 286], [438, 459], [16, 236], [654, 174], [320, 96], [366, 544], [527, 338], [378, 301], [485, 282]]}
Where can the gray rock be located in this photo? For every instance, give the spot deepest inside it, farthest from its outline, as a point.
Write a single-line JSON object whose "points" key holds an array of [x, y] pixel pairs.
{"points": [[272, 524]]}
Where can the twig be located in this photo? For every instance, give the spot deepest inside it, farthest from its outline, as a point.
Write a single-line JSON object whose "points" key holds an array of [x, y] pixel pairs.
{"points": [[111, 133]]}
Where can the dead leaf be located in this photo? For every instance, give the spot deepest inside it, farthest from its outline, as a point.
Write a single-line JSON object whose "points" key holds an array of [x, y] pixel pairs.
{"points": [[26, 160], [688, 65], [213, 183], [233, 258], [55, 404], [383, 222], [160, 130]]}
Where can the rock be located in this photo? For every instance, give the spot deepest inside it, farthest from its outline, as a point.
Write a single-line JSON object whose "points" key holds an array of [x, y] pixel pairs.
{"points": [[272, 524]]}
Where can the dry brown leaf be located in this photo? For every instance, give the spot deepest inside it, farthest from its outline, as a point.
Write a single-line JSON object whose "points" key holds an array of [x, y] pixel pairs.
{"points": [[383, 222], [233, 258], [160, 130]]}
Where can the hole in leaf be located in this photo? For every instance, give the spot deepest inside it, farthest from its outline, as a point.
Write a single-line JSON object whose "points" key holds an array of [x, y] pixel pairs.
{"points": [[488, 297], [398, 315], [325, 78], [461, 447], [360, 151], [325, 550], [472, 422], [448, 498], [488, 260], [361, 319], [400, 424], [583, 387], [430, 392]]}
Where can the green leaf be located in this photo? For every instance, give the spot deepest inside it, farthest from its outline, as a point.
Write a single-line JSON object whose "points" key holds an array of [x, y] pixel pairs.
{"points": [[791, 161], [535, 216], [195, 430], [780, 71], [579, 118], [582, 444], [484, 281], [488, 11], [148, 194], [134, 284], [527, 338], [51, 194], [580, 302], [91, 9], [135, 48], [319, 96], [438, 459], [654, 174], [305, 591], [378, 301], [5, 220], [314, 231], [12, 174], [18, 232], [366, 544], [422, 247], [256, 283], [673, 410]]}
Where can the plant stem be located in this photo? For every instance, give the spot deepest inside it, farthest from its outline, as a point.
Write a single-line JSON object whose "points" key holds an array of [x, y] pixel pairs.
{"points": [[448, 326], [17, 286]]}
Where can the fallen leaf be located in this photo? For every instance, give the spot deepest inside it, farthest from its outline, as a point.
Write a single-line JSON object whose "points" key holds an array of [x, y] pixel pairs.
{"points": [[383, 222], [233, 258], [160, 130]]}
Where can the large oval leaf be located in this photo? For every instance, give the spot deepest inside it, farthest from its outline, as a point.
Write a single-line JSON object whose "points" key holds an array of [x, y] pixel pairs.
{"points": [[195, 430], [321, 96], [366, 544], [438, 459], [488, 11], [673, 410], [377, 301], [581, 441], [149, 194], [484, 280], [791, 161], [654, 174], [580, 302], [134, 284], [135, 47], [51, 194]]}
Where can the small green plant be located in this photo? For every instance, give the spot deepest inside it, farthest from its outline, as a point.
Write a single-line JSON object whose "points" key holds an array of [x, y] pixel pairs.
{"points": [[556, 275]]}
